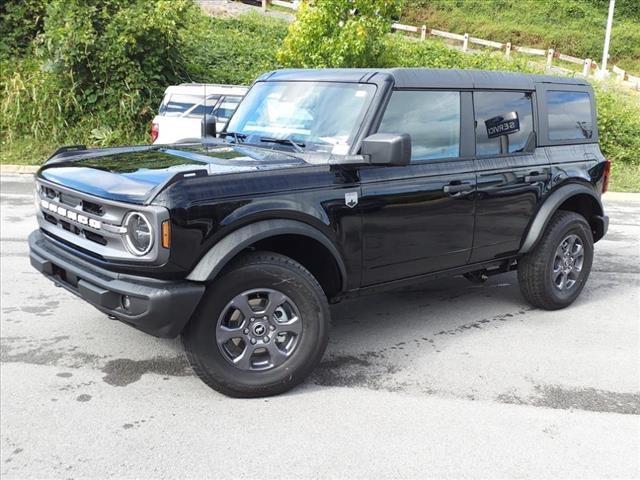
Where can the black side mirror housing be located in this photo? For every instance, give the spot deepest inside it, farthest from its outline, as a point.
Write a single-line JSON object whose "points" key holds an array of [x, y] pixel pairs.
{"points": [[209, 126], [387, 149]]}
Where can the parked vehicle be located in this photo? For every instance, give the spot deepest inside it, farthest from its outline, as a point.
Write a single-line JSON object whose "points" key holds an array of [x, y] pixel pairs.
{"points": [[328, 183], [187, 109]]}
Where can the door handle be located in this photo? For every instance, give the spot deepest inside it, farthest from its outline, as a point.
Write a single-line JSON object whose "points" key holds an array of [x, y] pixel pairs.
{"points": [[457, 187], [536, 177]]}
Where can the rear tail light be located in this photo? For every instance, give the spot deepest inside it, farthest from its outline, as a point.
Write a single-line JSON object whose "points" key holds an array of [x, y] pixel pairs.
{"points": [[606, 176], [155, 130]]}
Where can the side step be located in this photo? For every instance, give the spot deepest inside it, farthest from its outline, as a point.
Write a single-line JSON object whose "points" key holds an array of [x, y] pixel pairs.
{"points": [[481, 276]]}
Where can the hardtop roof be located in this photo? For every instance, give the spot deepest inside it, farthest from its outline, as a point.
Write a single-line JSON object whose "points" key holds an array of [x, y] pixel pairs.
{"points": [[424, 77]]}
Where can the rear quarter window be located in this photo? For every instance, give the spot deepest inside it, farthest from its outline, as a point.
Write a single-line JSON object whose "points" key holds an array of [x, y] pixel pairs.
{"points": [[569, 115]]}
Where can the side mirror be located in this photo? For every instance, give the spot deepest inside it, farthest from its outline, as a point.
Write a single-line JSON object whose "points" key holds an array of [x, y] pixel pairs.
{"points": [[209, 126], [388, 148]]}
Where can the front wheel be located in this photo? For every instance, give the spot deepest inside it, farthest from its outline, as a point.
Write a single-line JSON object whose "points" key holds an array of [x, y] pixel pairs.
{"points": [[261, 329], [553, 274]]}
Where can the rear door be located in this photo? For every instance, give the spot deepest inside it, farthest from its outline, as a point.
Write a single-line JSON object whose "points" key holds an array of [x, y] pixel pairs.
{"points": [[419, 218], [512, 173]]}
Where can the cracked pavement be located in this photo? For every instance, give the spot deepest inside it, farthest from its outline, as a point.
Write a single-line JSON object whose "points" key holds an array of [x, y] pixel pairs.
{"points": [[443, 379]]}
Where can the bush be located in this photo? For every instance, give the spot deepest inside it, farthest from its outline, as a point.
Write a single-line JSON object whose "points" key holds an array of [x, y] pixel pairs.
{"points": [[338, 33], [97, 71], [619, 125], [20, 22], [233, 50]]}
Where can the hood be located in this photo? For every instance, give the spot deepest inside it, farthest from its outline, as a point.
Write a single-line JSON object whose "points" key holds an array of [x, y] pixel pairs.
{"points": [[138, 174]]}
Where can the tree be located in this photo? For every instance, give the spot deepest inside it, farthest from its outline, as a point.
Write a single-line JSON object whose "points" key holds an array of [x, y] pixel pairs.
{"points": [[339, 33]]}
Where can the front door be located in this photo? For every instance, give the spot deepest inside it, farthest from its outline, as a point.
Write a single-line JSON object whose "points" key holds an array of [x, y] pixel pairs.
{"points": [[419, 218]]}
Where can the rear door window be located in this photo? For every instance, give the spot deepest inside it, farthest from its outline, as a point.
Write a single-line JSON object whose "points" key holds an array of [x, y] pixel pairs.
{"points": [[569, 115], [431, 118], [504, 122]]}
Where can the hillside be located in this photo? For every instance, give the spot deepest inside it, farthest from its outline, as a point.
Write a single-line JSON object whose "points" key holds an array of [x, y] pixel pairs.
{"points": [[574, 27]]}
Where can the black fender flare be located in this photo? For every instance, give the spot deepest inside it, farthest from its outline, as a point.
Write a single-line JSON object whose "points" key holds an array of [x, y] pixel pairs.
{"points": [[550, 206], [212, 263]]}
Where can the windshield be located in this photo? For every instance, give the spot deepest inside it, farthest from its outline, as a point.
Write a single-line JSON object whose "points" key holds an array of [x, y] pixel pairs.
{"points": [[304, 116]]}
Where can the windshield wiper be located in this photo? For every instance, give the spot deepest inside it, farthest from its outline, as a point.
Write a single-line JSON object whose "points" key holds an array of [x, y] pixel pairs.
{"points": [[236, 136], [299, 146]]}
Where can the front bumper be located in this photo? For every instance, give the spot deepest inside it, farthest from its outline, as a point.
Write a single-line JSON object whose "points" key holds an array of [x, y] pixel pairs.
{"points": [[160, 308]]}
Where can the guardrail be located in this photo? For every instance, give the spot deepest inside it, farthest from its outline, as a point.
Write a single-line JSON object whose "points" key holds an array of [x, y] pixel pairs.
{"points": [[589, 66]]}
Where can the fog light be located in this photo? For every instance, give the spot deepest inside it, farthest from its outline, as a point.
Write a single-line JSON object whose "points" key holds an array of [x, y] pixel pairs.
{"points": [[126, 302]]}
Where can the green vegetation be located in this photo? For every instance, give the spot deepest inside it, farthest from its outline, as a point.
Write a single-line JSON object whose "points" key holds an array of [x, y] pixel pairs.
{"points": [[625, 178], [96, 75], [95, 72], [404, 52], [339, 33], [573, 27], [619, 128]]}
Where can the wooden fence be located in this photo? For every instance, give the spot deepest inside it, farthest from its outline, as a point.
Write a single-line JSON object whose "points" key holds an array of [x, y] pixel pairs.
{"points": [[589, 66]]}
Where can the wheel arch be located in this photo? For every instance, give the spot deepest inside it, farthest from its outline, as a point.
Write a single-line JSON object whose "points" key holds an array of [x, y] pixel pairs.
{"points": [[575, 198], [320, 256]]}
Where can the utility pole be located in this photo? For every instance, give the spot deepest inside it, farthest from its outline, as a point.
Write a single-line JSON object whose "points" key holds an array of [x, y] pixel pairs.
{"points": [[607, 37]]}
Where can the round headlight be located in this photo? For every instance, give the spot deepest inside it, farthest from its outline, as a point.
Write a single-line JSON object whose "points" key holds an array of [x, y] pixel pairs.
{"points": [[139, 235]]}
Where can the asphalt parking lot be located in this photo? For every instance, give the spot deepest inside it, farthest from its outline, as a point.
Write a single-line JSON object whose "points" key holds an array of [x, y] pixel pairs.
{"points": [[445, 379]]}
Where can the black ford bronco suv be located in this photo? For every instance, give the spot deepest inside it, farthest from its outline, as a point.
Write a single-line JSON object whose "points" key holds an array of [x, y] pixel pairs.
{"points": [[323, 184]]}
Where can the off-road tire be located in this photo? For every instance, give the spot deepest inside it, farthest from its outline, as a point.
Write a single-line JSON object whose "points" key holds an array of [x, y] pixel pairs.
{"points": [[535, 268], [258, 270]]}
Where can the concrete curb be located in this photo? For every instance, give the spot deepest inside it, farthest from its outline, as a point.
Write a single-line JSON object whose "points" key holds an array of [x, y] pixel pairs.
{"points": [[26, 169]]}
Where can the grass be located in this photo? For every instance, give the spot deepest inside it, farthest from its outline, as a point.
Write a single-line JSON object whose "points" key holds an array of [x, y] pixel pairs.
{"points": [[25, 151], [625, 178], [573, 27]]}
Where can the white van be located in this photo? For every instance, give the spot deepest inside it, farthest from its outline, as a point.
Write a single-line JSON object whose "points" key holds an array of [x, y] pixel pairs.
{"points": [[186, 108]]}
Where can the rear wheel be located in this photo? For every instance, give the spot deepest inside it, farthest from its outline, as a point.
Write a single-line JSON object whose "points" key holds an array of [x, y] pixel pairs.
{"points": [[554, 273], [262, 328]]}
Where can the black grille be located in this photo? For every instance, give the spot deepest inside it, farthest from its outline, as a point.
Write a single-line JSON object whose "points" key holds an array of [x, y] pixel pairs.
{"points": [[93, 208], [94, 237], [50, 218], [69, 200], [49, 192]]}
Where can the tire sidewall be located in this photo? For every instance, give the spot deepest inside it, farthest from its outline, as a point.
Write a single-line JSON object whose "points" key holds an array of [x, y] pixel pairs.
{"points": [[579, 227], [200, 337]]}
